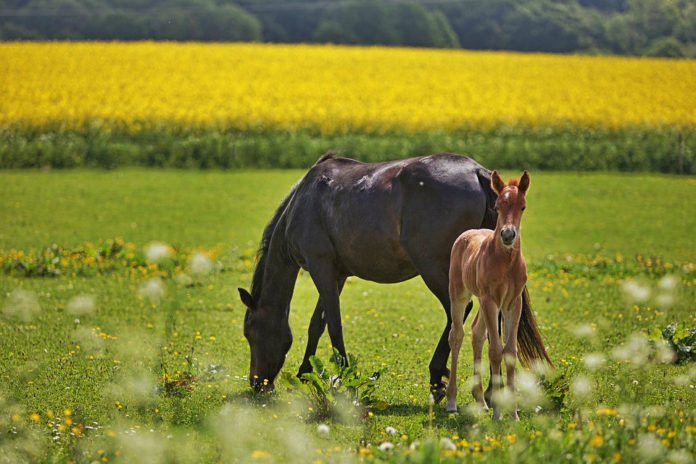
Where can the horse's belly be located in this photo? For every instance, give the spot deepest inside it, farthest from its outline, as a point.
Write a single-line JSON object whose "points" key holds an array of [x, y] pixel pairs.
{"points": [[378, 261]]}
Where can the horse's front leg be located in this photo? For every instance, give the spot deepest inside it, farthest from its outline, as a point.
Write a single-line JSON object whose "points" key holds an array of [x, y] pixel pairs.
{"points": [[478, 338], [489, 391], [489, 314], [456, 335], [325, 278], [316, 328], [512, 321]]}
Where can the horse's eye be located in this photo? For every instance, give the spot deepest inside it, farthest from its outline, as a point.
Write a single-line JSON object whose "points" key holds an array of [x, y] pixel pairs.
{"points": [[523, 208]]}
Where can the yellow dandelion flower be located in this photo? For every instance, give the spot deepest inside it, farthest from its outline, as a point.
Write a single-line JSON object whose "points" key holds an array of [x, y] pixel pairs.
{"points": [[597, 440], [260, 454]]}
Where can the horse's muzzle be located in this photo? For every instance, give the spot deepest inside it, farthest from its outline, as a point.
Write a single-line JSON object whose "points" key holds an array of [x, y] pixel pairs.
{"points": [[507, 235], [262, 385]]}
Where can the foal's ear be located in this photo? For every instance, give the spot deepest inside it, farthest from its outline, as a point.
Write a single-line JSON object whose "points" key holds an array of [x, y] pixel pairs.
{"points": [[246, 298], [524, 182], [497, 183]]}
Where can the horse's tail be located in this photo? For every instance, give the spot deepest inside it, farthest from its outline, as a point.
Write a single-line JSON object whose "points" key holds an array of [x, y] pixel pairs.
{"points": [[530, 347]]}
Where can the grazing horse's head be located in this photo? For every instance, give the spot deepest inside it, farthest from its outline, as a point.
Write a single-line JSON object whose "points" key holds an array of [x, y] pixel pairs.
{"points": [[269, 340], [510, 204]]}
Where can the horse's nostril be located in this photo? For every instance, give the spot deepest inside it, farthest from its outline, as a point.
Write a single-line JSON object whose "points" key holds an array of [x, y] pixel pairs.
{"points": [[508, 235]]}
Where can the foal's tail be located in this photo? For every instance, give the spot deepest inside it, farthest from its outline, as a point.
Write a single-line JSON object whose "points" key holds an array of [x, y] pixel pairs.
{"points": [[530, 347]]}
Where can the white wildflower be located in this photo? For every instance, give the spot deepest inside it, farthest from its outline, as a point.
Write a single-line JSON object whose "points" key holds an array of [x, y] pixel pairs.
{"points": [[386, 446], [22, 304], [200, 264], [635, 291], [153, 289], [81, 305], [635, 350], [594, 361], [323, 428], [581, 387], [157, 251], [668, 283], [448, 444]]}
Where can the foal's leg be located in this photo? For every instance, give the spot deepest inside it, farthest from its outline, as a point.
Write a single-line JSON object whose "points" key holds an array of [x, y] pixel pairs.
{"points": [[489, 390], [478, 338], [489, 313], [512, 321], [316, 328], [456, 335]]}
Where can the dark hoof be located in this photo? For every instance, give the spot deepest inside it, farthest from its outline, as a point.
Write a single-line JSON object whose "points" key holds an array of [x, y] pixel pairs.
{"points": [[438, 391], [304, 370], [488, 394]]}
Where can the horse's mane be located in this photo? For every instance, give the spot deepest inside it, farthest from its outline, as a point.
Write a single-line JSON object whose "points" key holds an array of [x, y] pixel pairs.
{"points": [[262, 252], [257, 280]]}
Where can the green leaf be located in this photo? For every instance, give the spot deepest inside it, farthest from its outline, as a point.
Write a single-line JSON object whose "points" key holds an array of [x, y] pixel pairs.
{"points": [[655, 334], [681, 334], [291, 380], [317, 365]]}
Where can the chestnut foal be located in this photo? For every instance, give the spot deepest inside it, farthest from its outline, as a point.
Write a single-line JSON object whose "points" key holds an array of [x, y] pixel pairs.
{"points": [[489, 265]]}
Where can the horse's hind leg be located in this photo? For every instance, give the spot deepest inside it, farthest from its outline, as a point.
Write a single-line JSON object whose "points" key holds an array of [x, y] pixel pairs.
{"points": [[436, 278], [316, 328]]}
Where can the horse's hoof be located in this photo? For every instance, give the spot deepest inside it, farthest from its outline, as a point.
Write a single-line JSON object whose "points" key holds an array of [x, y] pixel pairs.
{"points": [[438, 392], [452, 410]]}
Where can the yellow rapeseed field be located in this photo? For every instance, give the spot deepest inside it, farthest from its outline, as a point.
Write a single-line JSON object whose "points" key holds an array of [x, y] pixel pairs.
{"points": [[334, 88]]}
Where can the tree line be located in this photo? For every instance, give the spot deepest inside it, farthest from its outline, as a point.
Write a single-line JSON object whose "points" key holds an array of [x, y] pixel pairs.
{"points": [[629, 27]]}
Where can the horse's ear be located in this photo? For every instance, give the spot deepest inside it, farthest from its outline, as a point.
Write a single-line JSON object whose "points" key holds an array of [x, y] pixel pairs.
{"points": [[524, 182], [497, 183], [246, 298]]}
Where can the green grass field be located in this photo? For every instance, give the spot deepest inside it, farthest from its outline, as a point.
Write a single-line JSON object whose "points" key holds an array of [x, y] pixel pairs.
{"points": [[95, 379]]}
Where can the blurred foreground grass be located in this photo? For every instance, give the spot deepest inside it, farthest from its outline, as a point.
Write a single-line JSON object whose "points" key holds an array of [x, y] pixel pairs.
{"points": [[91, 361]]}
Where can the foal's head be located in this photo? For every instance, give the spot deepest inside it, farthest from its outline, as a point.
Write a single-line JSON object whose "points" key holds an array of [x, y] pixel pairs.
{"points": [[510, 204]]}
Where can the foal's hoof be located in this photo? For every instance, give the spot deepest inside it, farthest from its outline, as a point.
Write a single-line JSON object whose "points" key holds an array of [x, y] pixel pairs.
{"points": [[438, 391]]}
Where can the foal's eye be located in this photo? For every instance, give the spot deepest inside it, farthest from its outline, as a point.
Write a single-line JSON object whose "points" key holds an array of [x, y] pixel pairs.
{"points": [[523, 208]]}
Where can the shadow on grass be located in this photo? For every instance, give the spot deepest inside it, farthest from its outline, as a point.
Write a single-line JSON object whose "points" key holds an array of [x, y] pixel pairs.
{"points": [[439, 418], [250, 397]]}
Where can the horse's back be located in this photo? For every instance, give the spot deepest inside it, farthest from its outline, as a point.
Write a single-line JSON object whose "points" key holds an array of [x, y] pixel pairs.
{"points": [[381, 218], [443, 195]]}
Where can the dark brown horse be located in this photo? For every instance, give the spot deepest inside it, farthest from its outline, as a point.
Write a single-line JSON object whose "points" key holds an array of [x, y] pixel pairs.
{"points": [[385, 222]]}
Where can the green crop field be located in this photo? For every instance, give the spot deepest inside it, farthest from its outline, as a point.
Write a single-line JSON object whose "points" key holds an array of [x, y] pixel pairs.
{"points": [[107, 355]]}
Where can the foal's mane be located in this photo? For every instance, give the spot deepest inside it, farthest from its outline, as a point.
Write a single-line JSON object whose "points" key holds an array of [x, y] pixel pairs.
{"points": [[262, 252]]}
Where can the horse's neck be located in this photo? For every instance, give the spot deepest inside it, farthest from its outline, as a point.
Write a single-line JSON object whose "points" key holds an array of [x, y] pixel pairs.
{"points": [[503, 254], [280, 275]]}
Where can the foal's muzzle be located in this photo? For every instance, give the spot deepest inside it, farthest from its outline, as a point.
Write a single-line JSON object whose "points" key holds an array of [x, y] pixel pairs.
{"points": [[507, 235]]}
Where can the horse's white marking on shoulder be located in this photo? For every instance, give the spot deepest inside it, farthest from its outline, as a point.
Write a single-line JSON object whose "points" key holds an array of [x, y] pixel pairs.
{"points": [[363, 183]]}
